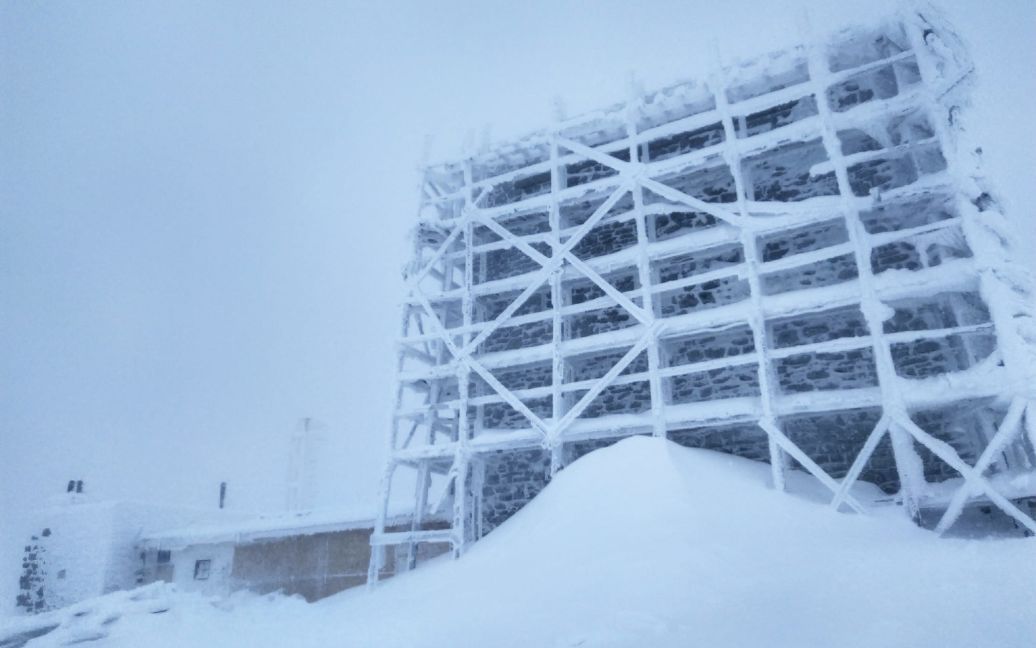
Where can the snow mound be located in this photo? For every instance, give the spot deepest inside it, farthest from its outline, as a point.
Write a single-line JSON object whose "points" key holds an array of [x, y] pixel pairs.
{"points": [[647, 543]]}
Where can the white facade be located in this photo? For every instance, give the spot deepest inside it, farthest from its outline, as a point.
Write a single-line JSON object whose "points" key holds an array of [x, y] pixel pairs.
{"points": [[87, 548]]}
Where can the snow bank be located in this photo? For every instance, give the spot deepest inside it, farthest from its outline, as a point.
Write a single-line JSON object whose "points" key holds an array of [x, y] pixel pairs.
{"points": [[647, 543]]}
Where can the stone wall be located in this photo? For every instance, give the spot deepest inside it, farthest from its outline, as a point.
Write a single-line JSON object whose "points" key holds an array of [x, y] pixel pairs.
{"points": [[586, 171], [811, 328], [743, 440], [517, 377], [682, 143], [582, 290], [805, 372], [576, 212], [927, 358], [714, 184], [724, 382], [815, 236], [909, 213], [607, 238], [595, 322], [697, 262], [506, 338], [666, 226], [488, 307], [526, 224], [594, 365], [511, 191], [942, 310], [861, 88], [511, 480], [709, 345], [776, 117], [834, 439], [914, 253], [576, 449], [631, 398], [510, 262], [501, 416], [710, 294], [814, 275], [783, 174]]}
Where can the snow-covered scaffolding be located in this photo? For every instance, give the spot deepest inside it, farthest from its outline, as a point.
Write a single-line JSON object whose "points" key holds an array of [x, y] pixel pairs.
{"points": [[792, 261]]}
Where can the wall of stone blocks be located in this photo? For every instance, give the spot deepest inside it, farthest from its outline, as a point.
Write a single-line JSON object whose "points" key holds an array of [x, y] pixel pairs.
{"points": [[739, 439], [511, 479], [833, 439]]}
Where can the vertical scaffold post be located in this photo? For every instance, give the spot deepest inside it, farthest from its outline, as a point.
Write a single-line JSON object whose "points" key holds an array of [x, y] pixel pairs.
{"points": [[756, 321], [908, 463], [658, 423]]}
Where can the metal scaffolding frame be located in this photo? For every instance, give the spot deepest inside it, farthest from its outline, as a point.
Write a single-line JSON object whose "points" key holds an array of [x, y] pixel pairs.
{"points": [[442, 339]]}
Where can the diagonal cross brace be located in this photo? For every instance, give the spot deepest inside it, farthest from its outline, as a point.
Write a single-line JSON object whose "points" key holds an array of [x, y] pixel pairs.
{"points": [[472, 364], [600, 386], [458, 227], [789, 446], [548, 264], [639, 172], [946, 452], [450, 238], [869, 446], [636, 311], [1010, 427]]}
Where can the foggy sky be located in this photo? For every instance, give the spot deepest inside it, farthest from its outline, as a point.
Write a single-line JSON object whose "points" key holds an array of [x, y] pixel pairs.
{"points": [[203, 208]]}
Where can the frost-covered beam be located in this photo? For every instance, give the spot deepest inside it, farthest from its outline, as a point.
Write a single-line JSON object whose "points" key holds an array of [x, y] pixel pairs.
{"points": [[692, 122], [807, 462], [750, 252], [1009, 429], [988, 250], [559, 427], [557, 298], [908, 463], [815, 300], [946, 452], [640, 172], [461, 469], [869, 446]]}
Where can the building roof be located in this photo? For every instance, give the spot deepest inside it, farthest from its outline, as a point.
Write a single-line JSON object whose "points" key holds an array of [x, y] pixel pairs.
{"points": [[262, 527]]}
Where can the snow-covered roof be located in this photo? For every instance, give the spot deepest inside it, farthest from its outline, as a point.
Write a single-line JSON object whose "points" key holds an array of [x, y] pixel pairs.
{"points": [[270, 526]]}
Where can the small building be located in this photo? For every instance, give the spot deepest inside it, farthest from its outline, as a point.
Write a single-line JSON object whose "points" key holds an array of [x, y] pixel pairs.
{"points": [[312, 554], [81, 548]]}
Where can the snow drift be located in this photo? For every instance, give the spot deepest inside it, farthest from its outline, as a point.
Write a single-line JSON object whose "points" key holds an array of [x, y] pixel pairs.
{"points": [[647, 543]]}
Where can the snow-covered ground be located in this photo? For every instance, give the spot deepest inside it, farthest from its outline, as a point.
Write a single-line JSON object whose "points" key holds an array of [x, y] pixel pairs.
{"points": [[644, 543]]}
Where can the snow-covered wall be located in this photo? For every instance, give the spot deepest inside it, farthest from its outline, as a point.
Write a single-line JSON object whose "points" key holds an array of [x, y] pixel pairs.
{"points": [[83, 548]]}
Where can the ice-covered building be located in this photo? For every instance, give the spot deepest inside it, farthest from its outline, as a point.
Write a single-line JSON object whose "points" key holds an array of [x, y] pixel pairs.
{"points": [[312, 554], [795, 260], [85, 548], [81, 548]]}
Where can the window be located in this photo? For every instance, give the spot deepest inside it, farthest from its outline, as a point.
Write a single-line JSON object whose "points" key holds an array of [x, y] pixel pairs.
{"points": [[164, 556], [201, 569]]}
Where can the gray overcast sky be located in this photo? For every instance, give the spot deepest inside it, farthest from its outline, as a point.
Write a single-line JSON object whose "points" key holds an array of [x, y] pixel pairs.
{"points": [[203, 208]]}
